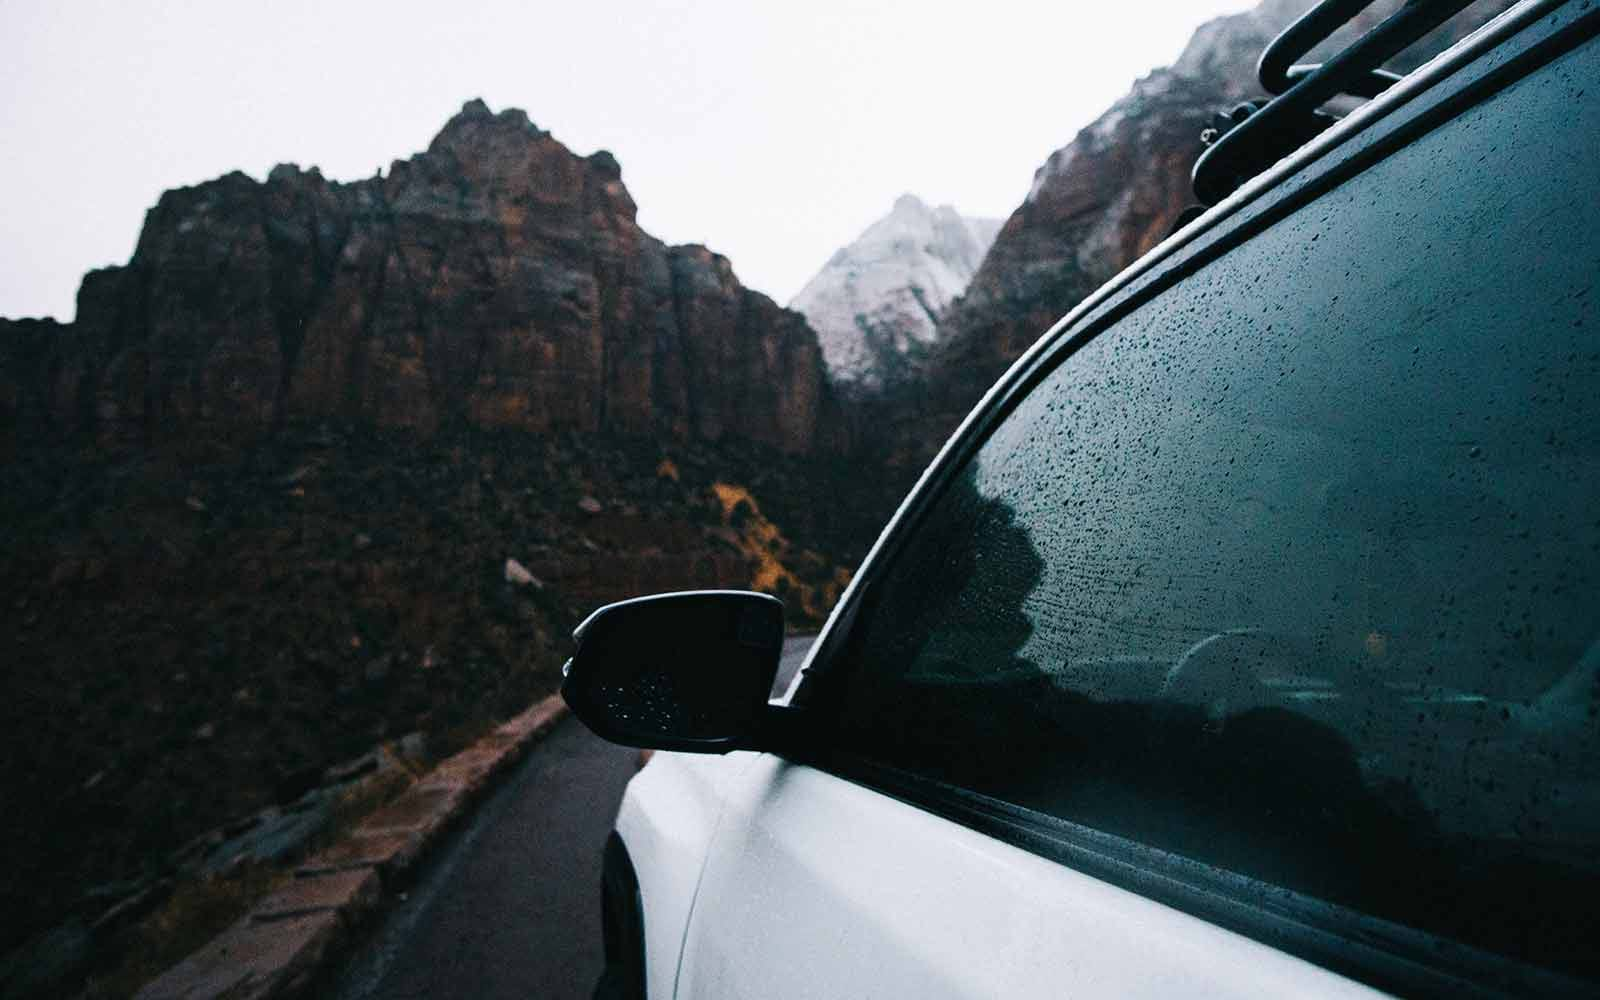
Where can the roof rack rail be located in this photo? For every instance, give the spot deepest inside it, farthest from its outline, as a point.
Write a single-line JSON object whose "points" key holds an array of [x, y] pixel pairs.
{"points": [[1252, 136]]}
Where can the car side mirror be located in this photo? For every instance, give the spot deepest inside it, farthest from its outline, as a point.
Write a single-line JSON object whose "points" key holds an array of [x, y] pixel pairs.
{"points": [[685, 671]]}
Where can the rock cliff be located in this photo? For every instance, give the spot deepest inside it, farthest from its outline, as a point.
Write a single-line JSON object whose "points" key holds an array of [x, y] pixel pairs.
{"points": [[328, 463], [496, 280]]}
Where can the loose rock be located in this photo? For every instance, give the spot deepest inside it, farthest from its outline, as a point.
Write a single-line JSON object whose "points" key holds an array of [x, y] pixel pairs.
{"points": [[518, 574]]}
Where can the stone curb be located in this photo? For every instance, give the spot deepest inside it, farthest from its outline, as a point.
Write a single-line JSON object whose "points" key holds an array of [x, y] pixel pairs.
{"points": [[292, 936]]}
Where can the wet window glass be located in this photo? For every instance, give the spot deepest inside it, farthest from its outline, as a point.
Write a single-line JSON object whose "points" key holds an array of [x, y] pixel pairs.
{"points": [[1295, 571]]}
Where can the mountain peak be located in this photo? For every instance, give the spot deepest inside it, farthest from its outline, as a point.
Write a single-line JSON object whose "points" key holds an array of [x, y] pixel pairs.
{"points": [[476, 125], [908, 204], [497, 280], [880, 297]]}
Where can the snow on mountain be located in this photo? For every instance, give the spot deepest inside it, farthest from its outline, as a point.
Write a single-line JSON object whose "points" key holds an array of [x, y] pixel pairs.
{"points": [[881, 296]]}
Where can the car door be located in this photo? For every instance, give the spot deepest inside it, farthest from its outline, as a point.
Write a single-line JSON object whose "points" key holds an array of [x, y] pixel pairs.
{"points": [[1219, 664], [823, 888]]}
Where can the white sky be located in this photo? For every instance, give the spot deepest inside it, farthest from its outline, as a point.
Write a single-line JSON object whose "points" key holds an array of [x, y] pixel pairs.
{"points": [[772, 133]]}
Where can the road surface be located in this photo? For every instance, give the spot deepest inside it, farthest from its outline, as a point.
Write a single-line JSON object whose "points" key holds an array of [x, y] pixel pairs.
{"points": [[510, 907]]}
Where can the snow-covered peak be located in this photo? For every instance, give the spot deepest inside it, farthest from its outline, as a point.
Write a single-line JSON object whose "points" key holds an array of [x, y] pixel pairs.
{"points": [[883, 294], [909, 204]]}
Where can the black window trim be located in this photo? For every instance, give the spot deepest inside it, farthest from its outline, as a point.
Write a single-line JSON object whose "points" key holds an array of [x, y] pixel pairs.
{"points": [[1359, 946]]}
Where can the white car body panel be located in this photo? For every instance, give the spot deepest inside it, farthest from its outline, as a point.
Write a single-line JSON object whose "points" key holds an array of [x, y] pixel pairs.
{"points": [[667, 822], [817, 887]]}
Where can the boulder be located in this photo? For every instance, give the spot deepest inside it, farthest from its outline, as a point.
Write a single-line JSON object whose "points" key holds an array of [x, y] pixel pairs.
{"points": [[518, 574]]}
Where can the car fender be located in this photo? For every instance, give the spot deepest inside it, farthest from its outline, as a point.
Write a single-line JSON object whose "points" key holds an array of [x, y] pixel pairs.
{"points": [[667, 821]]}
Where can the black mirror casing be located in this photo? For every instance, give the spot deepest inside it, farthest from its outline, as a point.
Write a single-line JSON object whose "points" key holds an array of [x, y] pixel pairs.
{"points": [[687, 671]]}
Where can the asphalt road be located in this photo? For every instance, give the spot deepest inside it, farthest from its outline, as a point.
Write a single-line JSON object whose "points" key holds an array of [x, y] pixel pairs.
{"points": [[511, 906]]}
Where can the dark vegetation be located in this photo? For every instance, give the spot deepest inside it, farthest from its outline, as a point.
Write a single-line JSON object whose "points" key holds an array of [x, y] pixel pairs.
{"points": [[197, 632]]}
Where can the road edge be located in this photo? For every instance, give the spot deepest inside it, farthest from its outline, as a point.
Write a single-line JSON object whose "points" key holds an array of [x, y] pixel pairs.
{"points": [[294, 935]]}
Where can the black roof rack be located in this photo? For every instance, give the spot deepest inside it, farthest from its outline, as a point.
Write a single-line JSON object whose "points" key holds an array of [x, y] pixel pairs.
{"points": [[1256, 134]]}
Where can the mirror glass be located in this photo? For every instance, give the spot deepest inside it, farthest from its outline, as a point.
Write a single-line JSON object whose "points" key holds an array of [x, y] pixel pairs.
{"points": [[686, 671]]}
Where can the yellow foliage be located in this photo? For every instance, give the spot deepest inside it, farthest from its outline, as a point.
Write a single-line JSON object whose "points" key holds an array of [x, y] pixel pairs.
{"points": [[668, 469], [765, 545]]}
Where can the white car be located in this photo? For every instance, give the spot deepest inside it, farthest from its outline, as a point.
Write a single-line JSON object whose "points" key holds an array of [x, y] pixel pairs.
{"points": [[1242, 641]]}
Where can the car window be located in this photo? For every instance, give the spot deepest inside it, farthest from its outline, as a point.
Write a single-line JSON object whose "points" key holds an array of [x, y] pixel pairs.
{"points": [[1295, 570]]}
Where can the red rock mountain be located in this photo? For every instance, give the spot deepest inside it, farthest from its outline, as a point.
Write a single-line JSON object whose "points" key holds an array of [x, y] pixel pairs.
{"points": [[497, 280], [326, 464], [1096, 204]]}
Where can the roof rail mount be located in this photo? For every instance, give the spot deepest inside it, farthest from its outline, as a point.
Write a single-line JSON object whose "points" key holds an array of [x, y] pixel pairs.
{"points": [[1250, 137]]}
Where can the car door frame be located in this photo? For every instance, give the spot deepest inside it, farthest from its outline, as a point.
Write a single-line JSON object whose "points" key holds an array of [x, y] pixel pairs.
{"points": [[1508, 49]]}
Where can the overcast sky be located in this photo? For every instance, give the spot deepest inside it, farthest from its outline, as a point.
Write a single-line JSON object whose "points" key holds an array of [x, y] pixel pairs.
{"points": [[773, 133]]}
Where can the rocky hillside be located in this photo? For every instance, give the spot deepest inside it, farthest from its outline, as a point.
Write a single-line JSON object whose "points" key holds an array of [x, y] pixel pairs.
{"points": [[496, 280], [329, 464], [1095, 205], [193, 633], [881, 298]]}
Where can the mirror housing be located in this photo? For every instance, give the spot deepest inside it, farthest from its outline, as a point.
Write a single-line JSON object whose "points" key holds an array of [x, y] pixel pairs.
{"points": [[687, 671]]}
